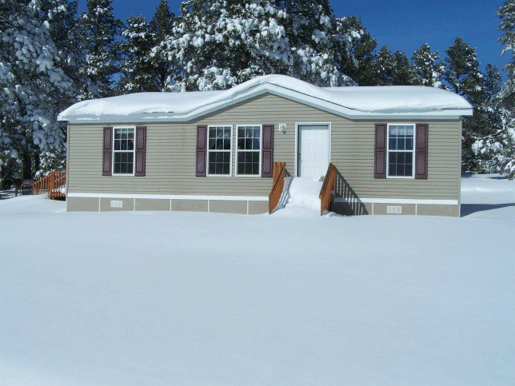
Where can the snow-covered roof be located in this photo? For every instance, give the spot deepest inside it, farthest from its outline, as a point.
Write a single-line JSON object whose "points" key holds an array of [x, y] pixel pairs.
{"points": [[380, 102]]}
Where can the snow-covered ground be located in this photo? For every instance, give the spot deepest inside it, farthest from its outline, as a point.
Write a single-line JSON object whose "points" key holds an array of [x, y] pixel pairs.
{"points": [[173, 298]]}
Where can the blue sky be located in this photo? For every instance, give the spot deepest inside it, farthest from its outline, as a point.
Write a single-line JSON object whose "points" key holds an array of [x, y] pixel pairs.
{"points": [[400, 24]]}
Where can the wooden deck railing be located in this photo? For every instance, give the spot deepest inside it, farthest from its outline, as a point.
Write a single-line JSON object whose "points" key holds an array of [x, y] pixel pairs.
{"points": [[53, 184], [326, 193], [279, 172]]}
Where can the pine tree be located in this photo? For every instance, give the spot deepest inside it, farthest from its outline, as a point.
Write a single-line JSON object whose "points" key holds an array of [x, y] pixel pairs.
{"points": [[161, 27], [394, 68], [222, 43], [427, 67], [136, 67], [507, 40], [362, 46], [497, 150], [463, 76], [38, 76], [101, 30], [144, 65]]}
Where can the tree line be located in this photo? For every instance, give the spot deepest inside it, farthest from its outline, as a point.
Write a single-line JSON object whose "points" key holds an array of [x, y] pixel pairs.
{"points": [[51, 57]]}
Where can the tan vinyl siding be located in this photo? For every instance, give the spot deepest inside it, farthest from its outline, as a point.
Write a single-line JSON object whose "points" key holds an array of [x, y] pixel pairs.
{"points": [[170, 155]]}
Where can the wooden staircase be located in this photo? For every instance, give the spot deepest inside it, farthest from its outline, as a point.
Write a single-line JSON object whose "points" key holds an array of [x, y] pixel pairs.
{"points": [[326, 192], [53, 184]]}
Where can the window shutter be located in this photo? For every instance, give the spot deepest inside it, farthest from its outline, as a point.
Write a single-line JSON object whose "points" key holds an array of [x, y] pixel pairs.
{"points": [[201, 151], [380, 151], [267, 155], [141, 151], [421, 151], [107, 161]]}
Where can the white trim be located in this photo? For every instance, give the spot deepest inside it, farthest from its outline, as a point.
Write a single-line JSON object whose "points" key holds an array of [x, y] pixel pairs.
{"points": [[412, 177], [397, 201], [168, 197], [113, 174], [219, 151], [296, 155], [236, 152]]}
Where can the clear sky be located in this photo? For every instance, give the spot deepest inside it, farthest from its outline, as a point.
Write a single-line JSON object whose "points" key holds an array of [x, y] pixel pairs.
{"points": [[400, 24]]}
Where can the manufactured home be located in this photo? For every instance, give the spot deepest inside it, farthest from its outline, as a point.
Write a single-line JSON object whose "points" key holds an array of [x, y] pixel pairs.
{"points": [[388, 150]]}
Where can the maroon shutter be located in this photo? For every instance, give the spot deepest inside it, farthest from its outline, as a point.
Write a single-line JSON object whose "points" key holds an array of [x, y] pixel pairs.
{"points": [[267, 156], [141, 151], [201, 150], [421, 151], [380, 151], [107, 168]]}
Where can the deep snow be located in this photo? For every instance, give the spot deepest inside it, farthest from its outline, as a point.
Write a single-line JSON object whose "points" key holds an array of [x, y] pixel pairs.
{"points": [[216, 299]]}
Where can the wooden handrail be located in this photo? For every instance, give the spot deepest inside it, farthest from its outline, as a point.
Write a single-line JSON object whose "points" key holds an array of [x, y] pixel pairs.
{"points": [[52, 184], [326, 193], [279, 172]]}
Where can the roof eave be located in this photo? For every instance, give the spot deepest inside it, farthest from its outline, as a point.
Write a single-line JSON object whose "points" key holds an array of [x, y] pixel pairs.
{"points": [[261, 89]]}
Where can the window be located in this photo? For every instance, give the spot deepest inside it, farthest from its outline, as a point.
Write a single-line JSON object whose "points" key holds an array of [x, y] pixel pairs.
{"points": [[123, 152], [401, 150], [248, 153], [219, 150]]}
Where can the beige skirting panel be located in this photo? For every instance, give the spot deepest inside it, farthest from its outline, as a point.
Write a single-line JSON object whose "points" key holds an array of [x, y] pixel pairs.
{"points": [[103, 204]]}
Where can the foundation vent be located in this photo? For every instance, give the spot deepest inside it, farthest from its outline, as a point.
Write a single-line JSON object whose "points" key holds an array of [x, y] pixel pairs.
{"points": [[116, 204], [394, 209]]}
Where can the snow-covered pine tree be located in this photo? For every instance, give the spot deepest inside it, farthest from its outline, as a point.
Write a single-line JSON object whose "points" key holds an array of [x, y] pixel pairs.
{"points": [[101, 30], [144, 66], [135, 65], [221, 43], [428, 68], [362, 46], [394, 68], [463, 76], [161, 27], [507, 40], [497, 150], [34, 75]]}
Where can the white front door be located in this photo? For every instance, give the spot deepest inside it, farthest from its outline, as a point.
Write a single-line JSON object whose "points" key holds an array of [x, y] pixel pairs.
{"points": [[313, 157]]}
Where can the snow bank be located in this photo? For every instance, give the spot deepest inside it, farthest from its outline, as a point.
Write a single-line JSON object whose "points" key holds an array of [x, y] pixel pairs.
{"points": [[347, 101]]}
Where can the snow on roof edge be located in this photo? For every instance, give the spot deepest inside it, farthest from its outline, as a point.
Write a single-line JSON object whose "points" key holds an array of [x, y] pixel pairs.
{"points": [[388, 102]]}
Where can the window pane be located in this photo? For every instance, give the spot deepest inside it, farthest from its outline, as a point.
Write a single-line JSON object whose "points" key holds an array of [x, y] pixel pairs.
{"points": [[255, 145], [241, 143]]}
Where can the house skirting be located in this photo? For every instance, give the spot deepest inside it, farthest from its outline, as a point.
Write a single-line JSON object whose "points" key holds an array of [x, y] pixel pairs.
{"points": [[391, 206], [100, 202], [88, 202]]}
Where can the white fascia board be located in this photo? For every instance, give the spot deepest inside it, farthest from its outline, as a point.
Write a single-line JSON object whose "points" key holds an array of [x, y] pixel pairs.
{"points": [[293, 95], [168, 196]]}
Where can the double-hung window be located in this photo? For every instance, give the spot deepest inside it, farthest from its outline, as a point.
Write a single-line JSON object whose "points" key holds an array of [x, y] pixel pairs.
{"points": [[123, 152], [248, 153], [401, 150], [219, 150]]}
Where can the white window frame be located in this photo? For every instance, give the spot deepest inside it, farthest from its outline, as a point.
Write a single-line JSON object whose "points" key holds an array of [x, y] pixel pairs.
{"points": [[219, 151], [260, 151], [125, 151], [400, 151]]}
